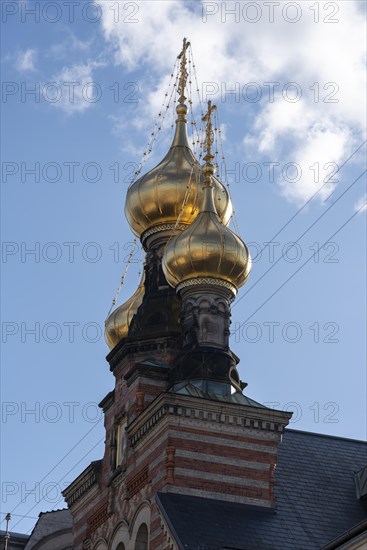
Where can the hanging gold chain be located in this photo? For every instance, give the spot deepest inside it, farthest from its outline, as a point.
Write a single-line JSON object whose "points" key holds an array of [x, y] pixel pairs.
{"points": [[159, 122], [123, 277], [233, 217]]}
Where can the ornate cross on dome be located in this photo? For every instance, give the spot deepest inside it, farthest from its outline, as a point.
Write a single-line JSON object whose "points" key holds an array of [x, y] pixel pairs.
{"points": [[183, 72], [209, 139]]}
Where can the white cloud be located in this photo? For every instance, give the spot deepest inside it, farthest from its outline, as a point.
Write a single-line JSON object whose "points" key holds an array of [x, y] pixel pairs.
{"points": [[76, 87], [226, 52], [361, 204], [26, 60], [69, 45]]}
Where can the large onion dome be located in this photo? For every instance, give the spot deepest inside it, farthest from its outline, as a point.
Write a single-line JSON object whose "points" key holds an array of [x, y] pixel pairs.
{"points": [[155, 200], [118, 322], [207, 251]]}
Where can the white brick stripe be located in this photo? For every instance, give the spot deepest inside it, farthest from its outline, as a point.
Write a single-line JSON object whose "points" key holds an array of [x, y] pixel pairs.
{"points": [[220, 496], [220, 478], [235, 444], [222, 460]]}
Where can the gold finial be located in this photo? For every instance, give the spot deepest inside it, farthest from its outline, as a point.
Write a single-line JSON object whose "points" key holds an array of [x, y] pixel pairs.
{"points": [[183, 72], [208, 167]]}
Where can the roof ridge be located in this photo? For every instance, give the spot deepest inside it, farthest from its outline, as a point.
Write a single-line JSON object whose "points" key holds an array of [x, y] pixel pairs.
{"points": [[325, 435], [53, 511]]}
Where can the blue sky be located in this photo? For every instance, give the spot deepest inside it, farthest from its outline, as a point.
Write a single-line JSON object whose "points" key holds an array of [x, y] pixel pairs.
{"points": [[296, 116]]}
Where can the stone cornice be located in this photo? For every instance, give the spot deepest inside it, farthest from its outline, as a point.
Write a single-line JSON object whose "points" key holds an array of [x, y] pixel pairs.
{"points": [[146, 371], [131, 347], [216, 412], [83, 483], [107, 401]]}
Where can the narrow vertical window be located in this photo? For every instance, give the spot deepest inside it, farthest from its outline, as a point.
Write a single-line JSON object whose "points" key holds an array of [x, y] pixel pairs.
{"points": [[121, 443]]}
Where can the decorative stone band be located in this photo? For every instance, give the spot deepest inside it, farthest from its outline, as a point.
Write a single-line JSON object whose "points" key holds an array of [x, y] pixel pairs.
{"points": [[97, 519], [182, 406], [137, 482], [163, 227], [207, 281]]}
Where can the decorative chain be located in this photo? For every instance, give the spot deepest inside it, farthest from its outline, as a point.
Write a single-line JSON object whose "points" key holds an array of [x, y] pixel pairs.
{"points": [[123, 277], [224, 171], [160, 120]]}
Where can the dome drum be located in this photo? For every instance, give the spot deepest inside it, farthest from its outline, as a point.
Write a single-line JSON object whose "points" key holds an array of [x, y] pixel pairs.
{"points": [[205, 283], [203, 364], [205, 316], [158, 235]]}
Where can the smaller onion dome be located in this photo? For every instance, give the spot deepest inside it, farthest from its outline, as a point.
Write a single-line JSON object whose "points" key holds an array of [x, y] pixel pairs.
{"points": [[118, 322], [207, 249]]}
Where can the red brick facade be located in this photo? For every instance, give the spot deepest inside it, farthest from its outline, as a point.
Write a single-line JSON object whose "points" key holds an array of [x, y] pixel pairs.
{"points": [[178, 443]]}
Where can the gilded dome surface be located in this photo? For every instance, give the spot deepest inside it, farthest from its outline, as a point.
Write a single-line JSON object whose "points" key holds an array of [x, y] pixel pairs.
{"points": [[207, 248], [118, 322], [157, 197]]}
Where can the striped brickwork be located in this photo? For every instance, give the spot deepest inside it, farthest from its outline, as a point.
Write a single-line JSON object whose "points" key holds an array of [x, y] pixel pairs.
{"points": [[181, 444]]}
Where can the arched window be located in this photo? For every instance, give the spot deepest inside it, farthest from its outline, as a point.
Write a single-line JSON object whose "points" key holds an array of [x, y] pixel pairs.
{"points": [[120, 537], [141, 542]]}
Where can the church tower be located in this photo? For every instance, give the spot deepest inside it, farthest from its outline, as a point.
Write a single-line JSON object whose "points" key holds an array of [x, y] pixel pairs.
{"points": [[206, 264], [177, 420]]}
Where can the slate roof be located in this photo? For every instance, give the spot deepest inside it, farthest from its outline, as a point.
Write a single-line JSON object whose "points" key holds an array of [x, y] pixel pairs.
{"points": [[17, 541], [316, 502], [50, 523], [237, 397]]}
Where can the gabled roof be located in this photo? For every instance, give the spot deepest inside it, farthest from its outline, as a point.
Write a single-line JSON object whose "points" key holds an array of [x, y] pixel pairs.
{"points": [[316, 501]]}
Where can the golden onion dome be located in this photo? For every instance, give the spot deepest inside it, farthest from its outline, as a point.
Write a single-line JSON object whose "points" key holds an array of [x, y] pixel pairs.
{"points": [[118, 322], [207, 249], [155, 200]]}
